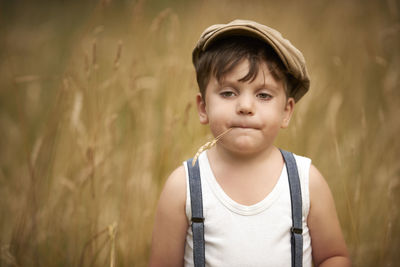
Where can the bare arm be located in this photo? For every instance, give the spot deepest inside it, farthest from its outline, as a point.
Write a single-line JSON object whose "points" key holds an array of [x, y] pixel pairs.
{"points": [[328, 245], [170, 225]]}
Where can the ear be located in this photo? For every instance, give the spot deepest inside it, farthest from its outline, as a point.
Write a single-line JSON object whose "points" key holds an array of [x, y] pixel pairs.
{"points": [[201, 109], [287, 114]]}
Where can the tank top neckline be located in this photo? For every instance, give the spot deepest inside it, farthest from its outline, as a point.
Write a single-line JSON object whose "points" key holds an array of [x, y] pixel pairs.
{"points": [[232, 205]]}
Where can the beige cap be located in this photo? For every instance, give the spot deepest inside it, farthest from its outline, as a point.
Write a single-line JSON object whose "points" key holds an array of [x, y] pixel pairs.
{"points": [[291, 57]]}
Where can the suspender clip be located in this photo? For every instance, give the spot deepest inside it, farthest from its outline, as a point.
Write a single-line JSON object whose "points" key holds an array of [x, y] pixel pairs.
{"points": [[198, 219], [296, 230]]}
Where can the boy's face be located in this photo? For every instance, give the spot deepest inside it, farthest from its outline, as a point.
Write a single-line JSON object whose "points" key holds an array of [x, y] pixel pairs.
{"points": [[255, 110]]}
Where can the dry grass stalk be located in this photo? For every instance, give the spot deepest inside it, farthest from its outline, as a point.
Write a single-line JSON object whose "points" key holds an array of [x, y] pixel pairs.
{"points": [[118, 56], [208, 145], [112, 231], [157, 21], [86, 63], [88, 244], [94, 54]]}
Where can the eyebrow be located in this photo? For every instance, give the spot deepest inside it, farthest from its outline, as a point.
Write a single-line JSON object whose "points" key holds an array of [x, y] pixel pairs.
{"points": [[224, 81]]}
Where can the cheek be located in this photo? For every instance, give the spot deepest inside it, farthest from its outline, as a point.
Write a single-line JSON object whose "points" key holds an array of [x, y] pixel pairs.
{"points": [[218, 119], [272, 117], [215, 110]]}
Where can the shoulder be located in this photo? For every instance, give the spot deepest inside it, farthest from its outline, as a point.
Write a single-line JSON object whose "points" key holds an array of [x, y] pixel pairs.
{"points": [[317, 184], [320, 193], [175, 187], [177, 177], [171, 204]]}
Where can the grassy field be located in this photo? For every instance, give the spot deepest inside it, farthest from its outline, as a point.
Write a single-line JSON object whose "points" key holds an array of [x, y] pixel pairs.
{"points": [[97, 108]]}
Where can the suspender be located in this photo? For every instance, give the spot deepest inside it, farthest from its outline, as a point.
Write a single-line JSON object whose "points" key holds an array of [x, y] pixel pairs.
{"points": [[296, 201], [198, 219], [197, 214]]}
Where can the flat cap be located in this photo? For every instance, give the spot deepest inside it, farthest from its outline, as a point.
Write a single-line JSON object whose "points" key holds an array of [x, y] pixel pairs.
{"points": [[291, 57]]}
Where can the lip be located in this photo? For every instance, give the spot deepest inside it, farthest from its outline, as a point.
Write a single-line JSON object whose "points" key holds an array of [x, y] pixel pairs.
{"points": [[245, 127]]}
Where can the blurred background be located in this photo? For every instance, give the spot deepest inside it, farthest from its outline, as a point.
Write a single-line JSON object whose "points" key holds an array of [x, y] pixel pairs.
{"points": [[97, 108]]}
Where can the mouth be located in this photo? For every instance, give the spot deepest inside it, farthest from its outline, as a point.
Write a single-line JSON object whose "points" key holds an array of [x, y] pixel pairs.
{"points": [[245, 127]]}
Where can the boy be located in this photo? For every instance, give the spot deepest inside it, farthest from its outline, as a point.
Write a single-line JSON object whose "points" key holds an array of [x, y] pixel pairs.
{"points": [[249, 78]]}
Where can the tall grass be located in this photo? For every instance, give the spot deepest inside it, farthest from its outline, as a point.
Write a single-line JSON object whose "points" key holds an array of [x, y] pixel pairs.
{"points": [[97, 108]]}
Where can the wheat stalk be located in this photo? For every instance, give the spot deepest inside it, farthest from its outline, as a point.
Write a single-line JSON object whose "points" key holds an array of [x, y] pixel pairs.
{"points": [[208, 145], [112, 231]]}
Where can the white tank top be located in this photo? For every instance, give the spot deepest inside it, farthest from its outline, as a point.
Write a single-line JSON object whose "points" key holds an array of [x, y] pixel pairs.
{"points": [[256, 235]]}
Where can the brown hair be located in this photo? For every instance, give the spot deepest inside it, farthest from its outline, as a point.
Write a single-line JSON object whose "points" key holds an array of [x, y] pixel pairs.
{"points": [[225, 54]]}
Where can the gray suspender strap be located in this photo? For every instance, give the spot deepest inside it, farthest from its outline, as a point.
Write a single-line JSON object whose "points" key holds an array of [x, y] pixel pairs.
{"points": [[197, 213], [295, 195], [198, 219]]}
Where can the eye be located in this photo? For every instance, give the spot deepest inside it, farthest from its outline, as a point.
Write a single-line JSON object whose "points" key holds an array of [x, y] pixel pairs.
{"points": [[227, 94], [264, 96]]}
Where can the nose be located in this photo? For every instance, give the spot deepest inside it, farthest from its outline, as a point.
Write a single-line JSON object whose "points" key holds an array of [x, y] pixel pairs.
{"points": [[245, 105]]}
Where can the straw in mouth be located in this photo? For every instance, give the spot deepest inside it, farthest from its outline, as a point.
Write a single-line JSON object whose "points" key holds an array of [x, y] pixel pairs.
{"points": [[208, 145]]}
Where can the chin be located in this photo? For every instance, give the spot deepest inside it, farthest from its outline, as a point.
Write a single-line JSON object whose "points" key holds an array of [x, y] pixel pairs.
{"points": [[245, 149]]}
